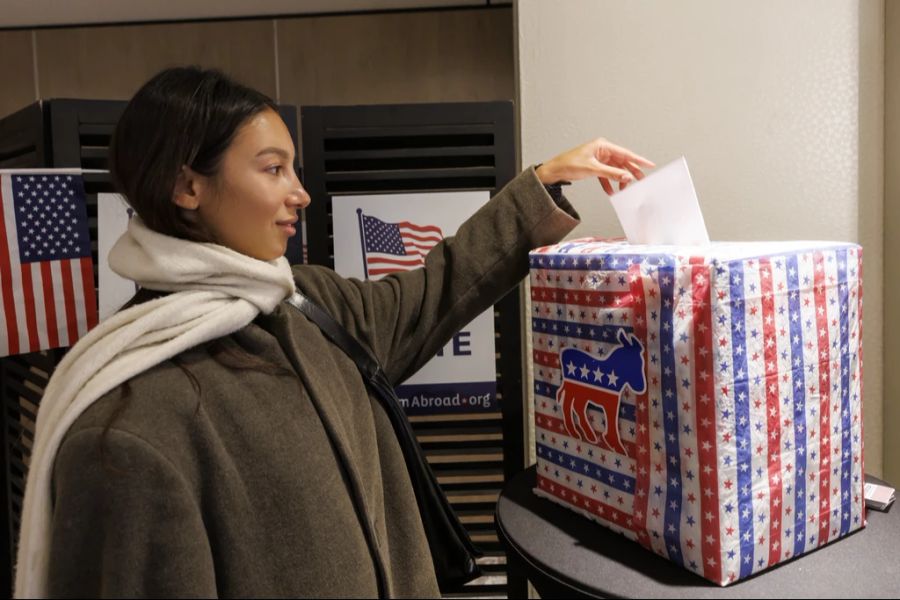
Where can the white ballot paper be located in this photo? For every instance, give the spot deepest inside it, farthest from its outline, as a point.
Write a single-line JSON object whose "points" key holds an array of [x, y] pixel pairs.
{"points": [[662, 208]]}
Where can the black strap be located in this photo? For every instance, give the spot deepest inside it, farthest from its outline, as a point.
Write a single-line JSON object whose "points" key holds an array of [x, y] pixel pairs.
{"points": [[451, 549]]}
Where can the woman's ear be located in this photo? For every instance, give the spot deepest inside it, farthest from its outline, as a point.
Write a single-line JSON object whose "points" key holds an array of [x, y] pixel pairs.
{"points": [[189, 187]]}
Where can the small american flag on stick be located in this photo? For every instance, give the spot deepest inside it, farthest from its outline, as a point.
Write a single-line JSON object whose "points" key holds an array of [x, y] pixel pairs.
{"points": [[391, 247], [47, 297]]}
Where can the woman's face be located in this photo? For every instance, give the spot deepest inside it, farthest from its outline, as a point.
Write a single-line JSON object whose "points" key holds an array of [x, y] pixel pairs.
{"points": [[252, 205]]}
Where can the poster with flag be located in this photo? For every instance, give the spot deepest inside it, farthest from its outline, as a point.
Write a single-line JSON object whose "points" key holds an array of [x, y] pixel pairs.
{"points": [[376, 235], [46, 274], [390, 247], [704, 401]]}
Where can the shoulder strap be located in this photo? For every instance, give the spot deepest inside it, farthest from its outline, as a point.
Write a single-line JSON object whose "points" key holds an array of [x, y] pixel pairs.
{"points": [[451, 548], [339, 336]]}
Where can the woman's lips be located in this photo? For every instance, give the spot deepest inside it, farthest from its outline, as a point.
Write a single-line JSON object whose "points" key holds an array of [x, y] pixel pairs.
{"points": [[288, 225]]}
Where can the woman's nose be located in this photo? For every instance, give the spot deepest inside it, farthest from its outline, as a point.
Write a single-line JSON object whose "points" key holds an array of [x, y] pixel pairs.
{"points": [[299, 197]]}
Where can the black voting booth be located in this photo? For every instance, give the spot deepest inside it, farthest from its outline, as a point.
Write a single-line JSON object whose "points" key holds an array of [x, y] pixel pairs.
{"points": [[354, 149], [51, 133], [428, 148]]}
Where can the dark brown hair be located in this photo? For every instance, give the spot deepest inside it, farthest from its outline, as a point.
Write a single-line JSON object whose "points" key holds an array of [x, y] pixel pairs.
{"points": [[183, 116]]}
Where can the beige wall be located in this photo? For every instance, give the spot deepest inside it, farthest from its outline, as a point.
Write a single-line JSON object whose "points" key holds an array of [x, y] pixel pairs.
{"points": [[777, 105], [429, 56], [892, 239]]}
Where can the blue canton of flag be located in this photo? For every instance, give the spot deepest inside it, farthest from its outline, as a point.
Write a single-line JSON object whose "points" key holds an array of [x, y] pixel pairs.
{"points": [[51, 217], [382, 237]]}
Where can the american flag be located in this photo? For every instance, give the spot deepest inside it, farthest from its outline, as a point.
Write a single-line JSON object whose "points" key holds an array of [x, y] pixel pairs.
{"points": [[745, 449], [46, 273], [391, 247]]}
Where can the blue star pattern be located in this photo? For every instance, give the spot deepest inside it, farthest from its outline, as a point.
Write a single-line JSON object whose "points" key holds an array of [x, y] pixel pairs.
{"points": [[51, 217]]}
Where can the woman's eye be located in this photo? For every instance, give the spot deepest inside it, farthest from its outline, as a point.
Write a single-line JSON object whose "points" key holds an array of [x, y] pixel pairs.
{"points": [[274, 169]]}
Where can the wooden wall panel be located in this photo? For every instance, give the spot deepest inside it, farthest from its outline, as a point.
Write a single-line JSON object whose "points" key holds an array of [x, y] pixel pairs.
{"points": [[440, 56], [17, 66], [111, 63]]}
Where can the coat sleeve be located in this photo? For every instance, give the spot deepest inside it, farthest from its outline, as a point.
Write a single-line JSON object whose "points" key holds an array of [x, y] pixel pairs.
{"points": [[125, 523], [408, 317]]}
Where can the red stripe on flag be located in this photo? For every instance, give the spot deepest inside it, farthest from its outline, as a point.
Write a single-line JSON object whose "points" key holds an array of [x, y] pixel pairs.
{"points": [[88, 293], [409, 262], [640, 450], [419, 238], [49, 304], [388, 271], [773, 409], [823, 512], [591, 505], [421, 228], [34, 343], [69, 296], [705, 416], [9, 305], [423, 247]]}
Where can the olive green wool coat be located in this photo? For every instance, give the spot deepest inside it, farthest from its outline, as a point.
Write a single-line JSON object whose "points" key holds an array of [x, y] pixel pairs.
{"points": [[244, 489]]}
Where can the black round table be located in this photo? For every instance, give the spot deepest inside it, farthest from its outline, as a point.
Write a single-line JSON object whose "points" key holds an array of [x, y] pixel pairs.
{"points": [[565, 555]]}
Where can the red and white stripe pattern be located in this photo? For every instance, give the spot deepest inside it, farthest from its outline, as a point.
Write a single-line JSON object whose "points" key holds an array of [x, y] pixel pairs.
{"points": [[46, 303], [391, 247], [606, 489], [746, 448]]}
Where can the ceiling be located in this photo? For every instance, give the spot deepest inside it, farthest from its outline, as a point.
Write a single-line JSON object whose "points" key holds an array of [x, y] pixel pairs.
{"points": [[54, 13]]}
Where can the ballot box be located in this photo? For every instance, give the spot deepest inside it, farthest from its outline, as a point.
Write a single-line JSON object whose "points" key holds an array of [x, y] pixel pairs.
{"points": [[703, 401]]}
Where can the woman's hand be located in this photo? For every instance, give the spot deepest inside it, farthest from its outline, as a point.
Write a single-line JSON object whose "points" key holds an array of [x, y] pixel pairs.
{"points": [[599, 158]]}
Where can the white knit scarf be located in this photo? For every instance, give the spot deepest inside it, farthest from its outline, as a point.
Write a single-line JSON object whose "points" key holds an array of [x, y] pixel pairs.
{"points": [[216, 291]]}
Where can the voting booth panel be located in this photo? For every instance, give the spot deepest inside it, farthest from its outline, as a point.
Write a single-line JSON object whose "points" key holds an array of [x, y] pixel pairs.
{"points": [[381, 180]]}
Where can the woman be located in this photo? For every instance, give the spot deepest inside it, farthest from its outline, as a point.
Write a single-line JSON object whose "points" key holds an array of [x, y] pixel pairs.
{"points": [[207, 440]]}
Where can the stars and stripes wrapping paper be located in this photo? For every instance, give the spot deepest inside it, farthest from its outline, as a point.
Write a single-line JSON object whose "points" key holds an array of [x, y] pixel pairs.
{"points": [[733, 372], [47, 297], [392, 247]]}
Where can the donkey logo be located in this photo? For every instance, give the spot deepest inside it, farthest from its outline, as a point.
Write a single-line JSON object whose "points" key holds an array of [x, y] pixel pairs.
{"points": [[599, 381]]}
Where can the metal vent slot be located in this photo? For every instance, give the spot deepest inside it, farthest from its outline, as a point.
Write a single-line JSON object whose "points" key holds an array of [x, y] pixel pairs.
{"points": [[382, 164], [438, 137]]}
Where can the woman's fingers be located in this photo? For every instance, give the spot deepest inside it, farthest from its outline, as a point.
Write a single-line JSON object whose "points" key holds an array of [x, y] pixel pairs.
{"points": [[629, 155], [609, 162], [635, 170], [611, 172], [604, 182]]}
